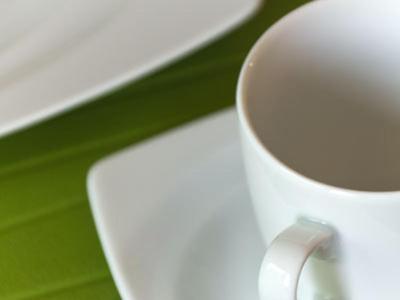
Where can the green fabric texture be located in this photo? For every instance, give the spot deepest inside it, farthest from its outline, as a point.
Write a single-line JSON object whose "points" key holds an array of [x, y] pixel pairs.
{"points": [[49, 247]]}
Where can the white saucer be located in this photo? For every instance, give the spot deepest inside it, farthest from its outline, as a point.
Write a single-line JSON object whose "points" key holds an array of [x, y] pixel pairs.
{"points": [[175, 218], [55, 54]]}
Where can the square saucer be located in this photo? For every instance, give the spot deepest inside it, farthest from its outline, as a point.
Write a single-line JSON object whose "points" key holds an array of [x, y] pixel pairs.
{"points": [[175, 218]]}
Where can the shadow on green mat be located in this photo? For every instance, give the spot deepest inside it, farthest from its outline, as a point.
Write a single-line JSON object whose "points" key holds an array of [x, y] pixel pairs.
{"points": [[48, 243]]}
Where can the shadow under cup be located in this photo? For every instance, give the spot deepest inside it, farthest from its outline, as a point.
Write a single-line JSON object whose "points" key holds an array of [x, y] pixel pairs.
{"points": [[331, 113]]}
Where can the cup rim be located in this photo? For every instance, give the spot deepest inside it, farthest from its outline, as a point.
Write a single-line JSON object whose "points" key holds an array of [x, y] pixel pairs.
{"points": [[262, 150]]}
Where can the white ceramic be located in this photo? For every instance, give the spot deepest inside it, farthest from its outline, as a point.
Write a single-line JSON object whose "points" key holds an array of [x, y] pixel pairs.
{"points": [[175, 218], [55, 54], [318, 95]]}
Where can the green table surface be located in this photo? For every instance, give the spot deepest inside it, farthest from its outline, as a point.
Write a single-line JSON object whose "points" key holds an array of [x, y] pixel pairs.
{"points": [[49, 248]]}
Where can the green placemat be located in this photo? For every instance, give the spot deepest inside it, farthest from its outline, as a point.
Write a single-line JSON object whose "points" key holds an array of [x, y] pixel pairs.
{"points": [[49, 248]]}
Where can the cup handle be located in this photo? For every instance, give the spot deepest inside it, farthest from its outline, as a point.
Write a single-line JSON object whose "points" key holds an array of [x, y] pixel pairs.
{"points": [[286, 256]]}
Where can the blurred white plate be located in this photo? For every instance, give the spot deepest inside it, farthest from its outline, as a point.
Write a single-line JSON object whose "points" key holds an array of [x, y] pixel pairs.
{"points": [[55, 54], [175, 218]]}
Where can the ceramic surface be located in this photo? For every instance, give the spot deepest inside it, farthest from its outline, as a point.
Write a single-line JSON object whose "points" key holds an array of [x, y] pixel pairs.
{"points": [[329, 58], [175, 218], [55, 54]]}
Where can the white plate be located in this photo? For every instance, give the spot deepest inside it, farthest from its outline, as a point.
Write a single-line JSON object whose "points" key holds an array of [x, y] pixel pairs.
{"points": [[55, 54], [175, 218]]}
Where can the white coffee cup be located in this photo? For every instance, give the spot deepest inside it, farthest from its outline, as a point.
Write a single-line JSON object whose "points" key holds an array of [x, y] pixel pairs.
{"points": [[319, 109]]}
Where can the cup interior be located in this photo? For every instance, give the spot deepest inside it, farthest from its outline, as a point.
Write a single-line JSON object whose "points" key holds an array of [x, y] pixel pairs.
{"points": [[321, 91]]}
